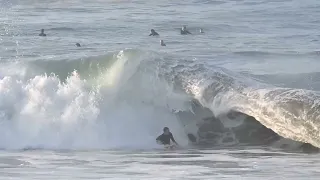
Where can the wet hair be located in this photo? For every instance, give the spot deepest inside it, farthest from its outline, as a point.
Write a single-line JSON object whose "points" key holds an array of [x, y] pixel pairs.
{"points": [[165, 129]]}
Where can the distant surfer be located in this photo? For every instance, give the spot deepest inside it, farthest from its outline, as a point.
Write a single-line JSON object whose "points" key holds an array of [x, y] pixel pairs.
{"points": [[184, 31], [42, 33], [153, 33], [162, 43], [165, 137]]}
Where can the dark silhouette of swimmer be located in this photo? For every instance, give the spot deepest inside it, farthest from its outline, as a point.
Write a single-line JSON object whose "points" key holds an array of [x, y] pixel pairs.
{"points": [[165, 137], [201, 30], [78, 45], [153, 33], [162, 43], [42, 33], [184, 31]]}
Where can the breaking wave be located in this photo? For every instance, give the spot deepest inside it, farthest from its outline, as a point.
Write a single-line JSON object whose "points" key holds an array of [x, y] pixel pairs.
{"points": [[123, 99]]}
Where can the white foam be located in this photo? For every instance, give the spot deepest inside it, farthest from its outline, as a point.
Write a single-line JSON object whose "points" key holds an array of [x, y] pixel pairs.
{"points": [[44, 112]]}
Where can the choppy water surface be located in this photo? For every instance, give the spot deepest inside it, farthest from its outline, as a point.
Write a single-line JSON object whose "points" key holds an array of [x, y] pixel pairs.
{"points": [[182, 164]]}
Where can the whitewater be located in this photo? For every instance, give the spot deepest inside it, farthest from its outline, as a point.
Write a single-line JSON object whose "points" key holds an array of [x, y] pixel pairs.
{"points": [[247, 89]]}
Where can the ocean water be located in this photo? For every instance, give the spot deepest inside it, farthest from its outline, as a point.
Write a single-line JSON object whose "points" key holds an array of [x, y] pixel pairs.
{"points": [[247, 89], [186, 164]]}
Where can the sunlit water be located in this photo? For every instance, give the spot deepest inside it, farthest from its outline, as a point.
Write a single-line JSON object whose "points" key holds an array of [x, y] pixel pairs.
{"points": [[249, 36]]}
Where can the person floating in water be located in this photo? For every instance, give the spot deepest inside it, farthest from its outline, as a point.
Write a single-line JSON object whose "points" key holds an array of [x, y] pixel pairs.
{"points": [[153, 33], [42, 33], [162, 43], [201, 30], [165, 137], [78, 45], [184, 30]]}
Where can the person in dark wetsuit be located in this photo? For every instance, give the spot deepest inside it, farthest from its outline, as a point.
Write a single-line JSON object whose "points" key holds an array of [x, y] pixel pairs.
{"points": [[184, 31], [153, 33], [162, 43], [42, 33], [166, 137]]}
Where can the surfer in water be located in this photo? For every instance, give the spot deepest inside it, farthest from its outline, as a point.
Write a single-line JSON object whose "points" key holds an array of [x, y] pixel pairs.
{"points": [[165, 137], [153, 33], [162, 43], [42, 33], [184, 31]]}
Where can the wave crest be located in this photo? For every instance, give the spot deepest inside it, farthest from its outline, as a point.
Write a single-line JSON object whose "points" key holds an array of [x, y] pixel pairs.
{"points": [[90, 103]]}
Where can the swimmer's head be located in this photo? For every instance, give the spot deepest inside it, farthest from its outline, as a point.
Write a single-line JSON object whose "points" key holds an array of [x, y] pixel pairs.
{"points": [[78, 45], [152, 30], [184, 28], [201, 30], [166, 130], [42, 30]]}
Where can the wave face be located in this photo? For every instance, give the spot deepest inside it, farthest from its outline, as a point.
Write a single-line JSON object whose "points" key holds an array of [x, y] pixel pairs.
{"points": [[291, 113], [123, 100]]}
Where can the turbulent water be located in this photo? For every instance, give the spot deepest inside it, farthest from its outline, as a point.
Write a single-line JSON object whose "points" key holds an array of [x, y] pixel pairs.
{"points": [[250, 81]]}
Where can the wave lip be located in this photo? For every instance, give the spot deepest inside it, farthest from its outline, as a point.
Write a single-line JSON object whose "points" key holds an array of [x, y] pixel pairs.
{"points": [[291, 113], [146, 91]]}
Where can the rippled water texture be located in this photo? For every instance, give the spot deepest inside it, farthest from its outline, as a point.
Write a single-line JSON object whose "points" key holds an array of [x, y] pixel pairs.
{"points": [[120, 88]]}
